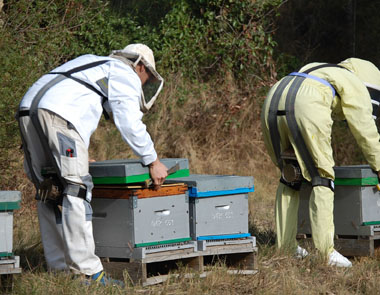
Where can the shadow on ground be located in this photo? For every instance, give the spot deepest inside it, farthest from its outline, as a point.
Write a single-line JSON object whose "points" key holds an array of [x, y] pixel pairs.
{"points": [[265, 237]]}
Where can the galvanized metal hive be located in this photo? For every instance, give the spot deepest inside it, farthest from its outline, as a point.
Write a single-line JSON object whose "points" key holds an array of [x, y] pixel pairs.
{"points": [[9, 201], [218, 205], [126, 219], [356, 202]]}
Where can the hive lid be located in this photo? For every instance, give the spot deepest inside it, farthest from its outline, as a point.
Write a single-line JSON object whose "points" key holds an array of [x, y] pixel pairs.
{"points": [[123, 171], [203, 185], [355, 175], [126, 192]]}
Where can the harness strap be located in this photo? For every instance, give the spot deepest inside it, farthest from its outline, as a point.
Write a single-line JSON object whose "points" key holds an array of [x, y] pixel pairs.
{"points": [[296, 79], [294, 129], [327, 65], [57, 213], [307, 75], [27, 155], [315, 78], [68, 74], [75, 190], [374, 93], [317, 180], [323, 181], [33, 113], [22, 113], [294, 185], [83, 67], [375, 100], [272, 119]]}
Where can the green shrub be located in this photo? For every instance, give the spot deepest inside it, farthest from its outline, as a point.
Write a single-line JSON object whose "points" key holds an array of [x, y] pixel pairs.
{"points": [[207, 38], [196, 39], [38, 36]]}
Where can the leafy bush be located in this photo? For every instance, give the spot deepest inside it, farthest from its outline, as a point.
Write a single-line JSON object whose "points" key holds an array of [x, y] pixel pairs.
{"points": [[203, 38], [38, 36]]}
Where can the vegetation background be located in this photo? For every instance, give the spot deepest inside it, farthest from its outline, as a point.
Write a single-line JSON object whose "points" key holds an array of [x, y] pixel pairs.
{"points": [[218, 58]]}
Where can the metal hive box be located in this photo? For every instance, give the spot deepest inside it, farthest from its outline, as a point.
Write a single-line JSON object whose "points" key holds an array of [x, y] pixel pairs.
{"points": [[9, 201], [218, 205], [356, 202], [126, 171], [126, 219]]}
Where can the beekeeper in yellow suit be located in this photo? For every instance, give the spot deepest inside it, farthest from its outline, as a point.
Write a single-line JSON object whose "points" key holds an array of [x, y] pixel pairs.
{"points": [[297, 120]]}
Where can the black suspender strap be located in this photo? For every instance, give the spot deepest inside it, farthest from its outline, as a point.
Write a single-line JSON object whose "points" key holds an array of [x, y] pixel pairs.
{"points": [[82, 67], [293, 126], [68, 74], [375, 100], [323, 66], [33, 113], [22, 113], [322, 181], [27, 154], [272, 119], [298, 139], [289, 112]]}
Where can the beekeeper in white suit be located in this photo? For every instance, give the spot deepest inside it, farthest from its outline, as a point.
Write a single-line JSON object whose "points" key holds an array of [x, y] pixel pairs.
{"points": [[57, 116], [297, 122]]}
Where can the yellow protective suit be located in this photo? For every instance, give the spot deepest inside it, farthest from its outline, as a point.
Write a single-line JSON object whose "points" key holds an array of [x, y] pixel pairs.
{"points": [[314, 105]]}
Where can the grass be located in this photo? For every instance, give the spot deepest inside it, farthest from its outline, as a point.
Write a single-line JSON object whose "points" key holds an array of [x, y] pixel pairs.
{"points": [[279, 273], [216, 126]]}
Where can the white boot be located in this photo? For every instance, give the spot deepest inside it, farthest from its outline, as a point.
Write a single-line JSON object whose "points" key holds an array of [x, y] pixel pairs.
{"points": [[337, 259], [301, 252]]}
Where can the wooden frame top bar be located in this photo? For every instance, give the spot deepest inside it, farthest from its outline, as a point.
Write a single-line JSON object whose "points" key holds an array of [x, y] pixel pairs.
{"points": [[126, 192]]}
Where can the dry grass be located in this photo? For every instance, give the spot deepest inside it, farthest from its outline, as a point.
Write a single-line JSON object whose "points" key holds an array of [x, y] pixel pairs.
{"points": [[216, 126]]}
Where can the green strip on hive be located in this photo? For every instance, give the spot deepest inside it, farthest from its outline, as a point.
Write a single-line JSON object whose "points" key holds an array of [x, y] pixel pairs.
{"points": [[136, 178], [4, 206], [162, 242], [6, 254], [356, 181], [371, 222]]}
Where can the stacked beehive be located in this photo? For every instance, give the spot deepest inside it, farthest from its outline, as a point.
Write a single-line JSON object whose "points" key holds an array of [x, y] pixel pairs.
{"points": [[9, 201], [218, 208], [356, 210], [187, 210], [128, 217]]}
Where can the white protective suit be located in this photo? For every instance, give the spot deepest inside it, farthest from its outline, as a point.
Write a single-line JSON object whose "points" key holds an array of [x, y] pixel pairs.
{"points": [[69, 113], [314, 104]]}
